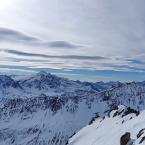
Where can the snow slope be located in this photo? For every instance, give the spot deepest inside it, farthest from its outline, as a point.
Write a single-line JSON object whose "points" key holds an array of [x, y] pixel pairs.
{"points": [[108, 131], [44, 120]]}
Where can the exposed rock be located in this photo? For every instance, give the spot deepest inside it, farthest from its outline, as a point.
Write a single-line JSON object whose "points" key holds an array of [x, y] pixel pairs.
{"points": [[140, 133], [122, 111], [125, 138], [143, 139], [94, 118], [130, 110]]}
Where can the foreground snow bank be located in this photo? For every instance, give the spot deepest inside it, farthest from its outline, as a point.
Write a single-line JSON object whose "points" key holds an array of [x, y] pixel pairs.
{"points": [[108, 131]]}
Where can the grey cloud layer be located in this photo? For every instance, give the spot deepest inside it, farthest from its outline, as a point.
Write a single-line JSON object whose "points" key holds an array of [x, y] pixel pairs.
{"points": [[9, 36], [95, 34], [35, 60], [62, 44], [12, 35], [77, 57]]}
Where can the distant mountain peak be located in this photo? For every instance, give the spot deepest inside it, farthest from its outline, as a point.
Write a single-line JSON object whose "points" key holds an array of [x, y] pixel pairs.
{"points": [[42, 73]]}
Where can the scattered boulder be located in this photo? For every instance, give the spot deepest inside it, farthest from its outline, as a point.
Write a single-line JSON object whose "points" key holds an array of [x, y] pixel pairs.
{"points": [[125, 138]]}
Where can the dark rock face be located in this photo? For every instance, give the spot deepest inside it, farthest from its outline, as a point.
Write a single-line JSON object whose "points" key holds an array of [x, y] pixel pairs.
{"points": [[124, 112], [142, 140], [140, 135], [130, 110], [125, 138], [94, 118]]}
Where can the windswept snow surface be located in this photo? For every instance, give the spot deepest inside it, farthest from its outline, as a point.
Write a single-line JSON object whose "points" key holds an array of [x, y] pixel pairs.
{"points": [[108, 131]]}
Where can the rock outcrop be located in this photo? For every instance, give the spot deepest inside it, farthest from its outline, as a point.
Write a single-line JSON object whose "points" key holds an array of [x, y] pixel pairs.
{"points": [[124, 140]]}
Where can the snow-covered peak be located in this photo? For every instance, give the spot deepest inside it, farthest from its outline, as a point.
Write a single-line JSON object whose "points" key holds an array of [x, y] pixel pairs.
{"points": [[51, 84], [43, 83], [42, 73]]}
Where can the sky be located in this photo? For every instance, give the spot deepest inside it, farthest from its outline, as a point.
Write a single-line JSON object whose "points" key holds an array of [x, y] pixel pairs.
{"points": [[88, 40]]}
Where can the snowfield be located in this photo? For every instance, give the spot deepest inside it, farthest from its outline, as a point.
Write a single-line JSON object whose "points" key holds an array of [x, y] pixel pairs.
{"points": [[108, 131]]}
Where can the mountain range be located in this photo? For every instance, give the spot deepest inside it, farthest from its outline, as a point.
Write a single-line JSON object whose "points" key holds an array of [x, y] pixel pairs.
{"points": [[44, 109]]}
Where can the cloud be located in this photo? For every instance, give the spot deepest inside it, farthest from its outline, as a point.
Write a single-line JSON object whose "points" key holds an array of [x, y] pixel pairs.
{"points": [[13, 70], [62, 44], [7, 35], [76, 57], [37, 60], [10, 36], [75, 34]]}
